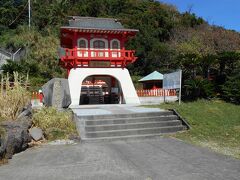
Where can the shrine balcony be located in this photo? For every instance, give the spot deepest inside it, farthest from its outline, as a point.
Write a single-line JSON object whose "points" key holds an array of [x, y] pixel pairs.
{"points": [[71, 58]]}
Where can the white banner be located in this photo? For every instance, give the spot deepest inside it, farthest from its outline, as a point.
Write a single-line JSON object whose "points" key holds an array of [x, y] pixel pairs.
{"points": [[172, 80]]}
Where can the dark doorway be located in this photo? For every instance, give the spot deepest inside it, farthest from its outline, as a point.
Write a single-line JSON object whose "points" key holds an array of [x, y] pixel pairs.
{"points": [[101, 90]]}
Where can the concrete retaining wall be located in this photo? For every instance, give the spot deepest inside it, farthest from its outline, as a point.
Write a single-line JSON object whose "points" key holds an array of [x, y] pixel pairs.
{"points": [[157, 99]]}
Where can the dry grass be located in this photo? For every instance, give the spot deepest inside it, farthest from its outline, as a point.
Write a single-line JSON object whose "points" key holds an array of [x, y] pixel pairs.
{"points": [[13, 97], [55, 124], [230, 151]]}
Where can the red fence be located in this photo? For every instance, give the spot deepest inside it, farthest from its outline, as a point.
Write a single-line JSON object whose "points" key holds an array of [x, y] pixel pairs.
{"points": [[156, 92], [37, 96]]}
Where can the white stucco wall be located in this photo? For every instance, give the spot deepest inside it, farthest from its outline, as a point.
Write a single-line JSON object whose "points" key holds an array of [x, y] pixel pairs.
{"points": [[76, 77]]}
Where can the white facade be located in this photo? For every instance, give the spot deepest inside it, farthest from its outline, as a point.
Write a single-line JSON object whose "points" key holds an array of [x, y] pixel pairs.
{"points": [[77, 76]]}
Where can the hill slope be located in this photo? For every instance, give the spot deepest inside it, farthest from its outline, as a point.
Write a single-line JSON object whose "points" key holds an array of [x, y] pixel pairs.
{"points": [[167, 39]]}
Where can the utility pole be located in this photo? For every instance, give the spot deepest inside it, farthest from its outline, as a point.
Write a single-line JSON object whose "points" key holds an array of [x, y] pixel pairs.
{"points": [[29, 13]]}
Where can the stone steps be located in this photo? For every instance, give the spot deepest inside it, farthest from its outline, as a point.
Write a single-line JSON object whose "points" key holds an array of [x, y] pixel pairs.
{"points": [[125, 126], [128, 115], [108, 127], [113, 138], [127, 132], [130, 120]]}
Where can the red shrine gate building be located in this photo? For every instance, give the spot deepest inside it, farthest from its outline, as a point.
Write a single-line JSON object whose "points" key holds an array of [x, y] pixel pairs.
{"points": [[93, 52]]}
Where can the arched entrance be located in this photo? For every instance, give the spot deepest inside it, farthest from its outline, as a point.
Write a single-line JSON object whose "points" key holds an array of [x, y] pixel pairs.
{"points": [[78, 75], [101, 89]]}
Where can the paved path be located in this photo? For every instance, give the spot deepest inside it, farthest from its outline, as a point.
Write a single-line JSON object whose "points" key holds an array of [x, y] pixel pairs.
{"points": [[156, 159], [89, 110]]}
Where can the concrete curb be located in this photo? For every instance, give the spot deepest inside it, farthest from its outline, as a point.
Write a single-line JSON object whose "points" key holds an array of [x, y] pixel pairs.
{"points": [[185, 122]]}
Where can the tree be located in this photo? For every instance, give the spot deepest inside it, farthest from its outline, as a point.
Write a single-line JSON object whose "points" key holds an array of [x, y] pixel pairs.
{"points": [[231, 89], [13, 13], [167, 39]]}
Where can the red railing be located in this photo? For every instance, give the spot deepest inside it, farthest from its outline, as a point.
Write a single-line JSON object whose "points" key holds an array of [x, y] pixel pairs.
{"points": [[156, 92], [81, 57]]}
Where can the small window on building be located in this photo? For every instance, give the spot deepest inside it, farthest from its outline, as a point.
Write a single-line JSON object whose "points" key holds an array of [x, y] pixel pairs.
{"points": [[115, 44], [98, 44], [82, 43]]}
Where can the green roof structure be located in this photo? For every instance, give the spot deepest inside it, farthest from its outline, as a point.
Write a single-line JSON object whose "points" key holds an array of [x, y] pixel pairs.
{"points": [[154, 76]]}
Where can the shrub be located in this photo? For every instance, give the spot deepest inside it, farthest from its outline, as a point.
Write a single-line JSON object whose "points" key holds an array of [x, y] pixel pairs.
{"points": [[198, 88], [13, 96], [55, 124], [136, 83], [231, 89]]}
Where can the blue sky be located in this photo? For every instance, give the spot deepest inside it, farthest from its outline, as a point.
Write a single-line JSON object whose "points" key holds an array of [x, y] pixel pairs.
{"points": [[225, 13]]}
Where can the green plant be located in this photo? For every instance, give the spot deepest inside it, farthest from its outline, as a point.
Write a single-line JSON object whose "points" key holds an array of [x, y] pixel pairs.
{"points": [[198, 88], [55, 124], [231, 89], [13, 96], [55, 133], [136, 82]]}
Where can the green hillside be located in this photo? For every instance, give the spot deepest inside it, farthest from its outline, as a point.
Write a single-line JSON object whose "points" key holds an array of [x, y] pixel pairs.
{"points": [[168, 40]]}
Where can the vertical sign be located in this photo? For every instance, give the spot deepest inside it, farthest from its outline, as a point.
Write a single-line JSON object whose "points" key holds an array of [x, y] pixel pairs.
{"points": [[173, 81]]}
